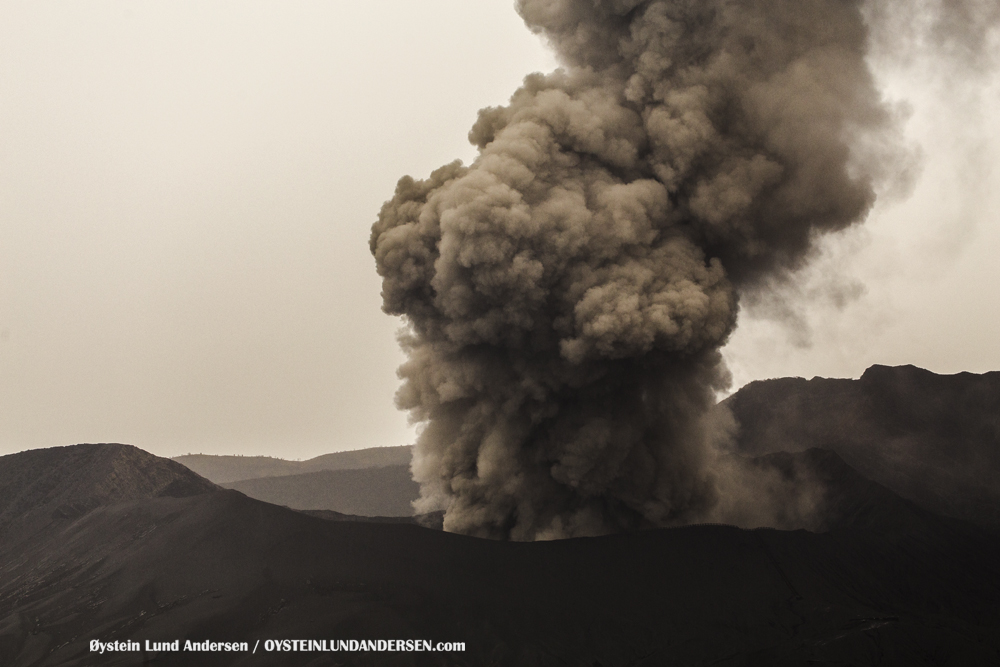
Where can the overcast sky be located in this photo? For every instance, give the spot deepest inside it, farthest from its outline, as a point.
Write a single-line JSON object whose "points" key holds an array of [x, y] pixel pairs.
{"points": [[187, 190]]}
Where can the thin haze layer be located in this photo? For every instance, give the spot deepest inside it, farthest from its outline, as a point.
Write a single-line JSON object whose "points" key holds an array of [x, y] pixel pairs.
{"points": [[567, 293]]}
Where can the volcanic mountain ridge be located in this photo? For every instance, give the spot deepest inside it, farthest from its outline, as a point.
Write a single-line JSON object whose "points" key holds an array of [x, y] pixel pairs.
{"points": [[165, 555]]}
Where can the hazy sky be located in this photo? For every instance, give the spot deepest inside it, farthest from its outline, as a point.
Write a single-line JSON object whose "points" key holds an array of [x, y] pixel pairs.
{"points": [[187, 190]]}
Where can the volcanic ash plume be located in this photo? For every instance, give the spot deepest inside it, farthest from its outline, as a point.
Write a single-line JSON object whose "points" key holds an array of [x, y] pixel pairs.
{"points": [[566, 295]]}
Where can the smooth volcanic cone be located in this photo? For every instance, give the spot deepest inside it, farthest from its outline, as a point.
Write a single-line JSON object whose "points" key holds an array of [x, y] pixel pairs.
{"points": [[567, 293]]}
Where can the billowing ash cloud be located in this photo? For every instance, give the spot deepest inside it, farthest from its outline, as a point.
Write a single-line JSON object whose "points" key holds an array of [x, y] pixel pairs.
{"points": [[567, 293]]}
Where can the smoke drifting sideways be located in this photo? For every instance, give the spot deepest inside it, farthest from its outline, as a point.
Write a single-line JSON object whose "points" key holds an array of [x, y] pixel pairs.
{"points": [[566, 295]]}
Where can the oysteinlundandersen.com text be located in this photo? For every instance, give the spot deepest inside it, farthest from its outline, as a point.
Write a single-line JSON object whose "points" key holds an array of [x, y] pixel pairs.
{"points": [[279, 645]]}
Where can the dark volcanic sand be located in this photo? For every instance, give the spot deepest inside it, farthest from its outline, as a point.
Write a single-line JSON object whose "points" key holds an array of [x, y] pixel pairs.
{"points": [[888, 584]]}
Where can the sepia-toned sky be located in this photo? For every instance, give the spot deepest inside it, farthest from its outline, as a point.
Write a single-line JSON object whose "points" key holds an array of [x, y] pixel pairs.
{"points": [[187, 191]]}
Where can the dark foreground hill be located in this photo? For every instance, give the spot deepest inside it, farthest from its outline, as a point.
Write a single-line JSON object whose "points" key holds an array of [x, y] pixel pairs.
{"points": [[66, 482], [227, 469], [386, 491], [919, 590], [934, 439]]}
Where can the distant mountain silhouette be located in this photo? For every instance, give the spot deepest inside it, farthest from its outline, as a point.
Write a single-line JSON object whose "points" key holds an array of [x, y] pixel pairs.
{"points": [[384, 491], [934, 439], [848, 498], [227, 469], [888, 583]]}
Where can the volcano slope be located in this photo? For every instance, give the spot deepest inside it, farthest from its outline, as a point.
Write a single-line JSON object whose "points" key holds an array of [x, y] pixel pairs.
{"points": [[933, 439], [229, 469], [385, 491], [173, 557]]}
